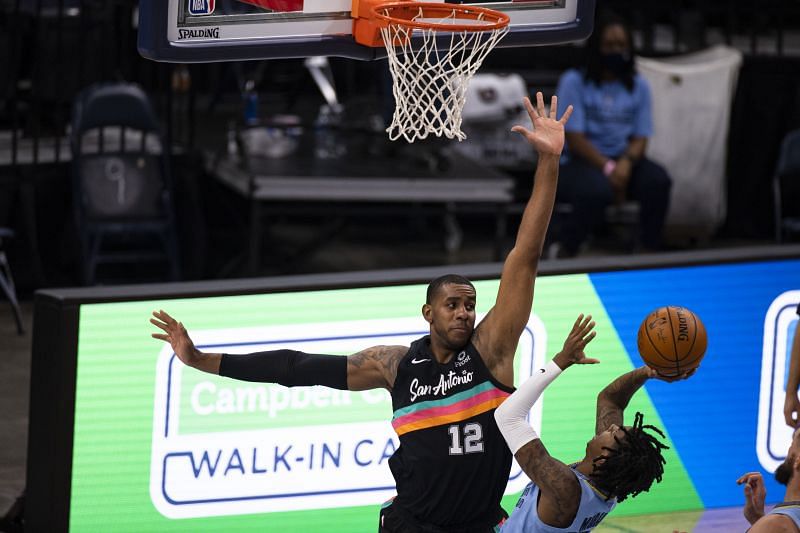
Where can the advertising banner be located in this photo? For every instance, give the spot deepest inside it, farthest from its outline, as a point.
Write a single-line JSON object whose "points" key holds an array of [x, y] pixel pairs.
{"points": [[159, 446]]}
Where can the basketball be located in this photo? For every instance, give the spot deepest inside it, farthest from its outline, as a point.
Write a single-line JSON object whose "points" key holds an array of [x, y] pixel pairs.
{"points": [[672, 340]]}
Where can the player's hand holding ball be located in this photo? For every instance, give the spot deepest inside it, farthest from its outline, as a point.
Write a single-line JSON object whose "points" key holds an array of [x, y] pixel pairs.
{"points": [[672, 342]]}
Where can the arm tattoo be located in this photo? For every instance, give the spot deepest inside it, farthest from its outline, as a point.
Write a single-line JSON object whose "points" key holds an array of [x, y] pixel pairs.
{"points": [[558, 484], [607, 414], [612, 401], [382, 359]]}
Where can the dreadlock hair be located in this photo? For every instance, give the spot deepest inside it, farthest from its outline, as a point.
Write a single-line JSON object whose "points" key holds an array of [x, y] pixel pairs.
{"points": [[632, 467], [447, 279]]}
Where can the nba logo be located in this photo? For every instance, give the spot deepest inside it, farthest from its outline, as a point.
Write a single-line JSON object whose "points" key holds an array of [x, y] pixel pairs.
{"points": [[201, 7], [774, 436]]}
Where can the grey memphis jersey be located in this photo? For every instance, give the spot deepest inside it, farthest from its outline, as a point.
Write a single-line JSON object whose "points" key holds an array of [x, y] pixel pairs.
{"points": [[593, 508]]}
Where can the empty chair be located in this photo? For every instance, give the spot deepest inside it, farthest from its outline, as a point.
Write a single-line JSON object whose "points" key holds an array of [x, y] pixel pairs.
{"points": [[787, 169], [121, 180]]}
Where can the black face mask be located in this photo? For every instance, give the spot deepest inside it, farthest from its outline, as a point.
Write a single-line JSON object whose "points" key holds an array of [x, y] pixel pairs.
{"points": [[783, 473], [618, 64]]}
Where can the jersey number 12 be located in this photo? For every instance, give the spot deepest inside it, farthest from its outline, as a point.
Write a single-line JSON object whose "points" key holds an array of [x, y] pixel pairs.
{"points": [[468, 439]]}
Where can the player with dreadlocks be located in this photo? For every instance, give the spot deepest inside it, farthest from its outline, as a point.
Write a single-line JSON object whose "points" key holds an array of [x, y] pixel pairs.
{"points": [[620, 461]]}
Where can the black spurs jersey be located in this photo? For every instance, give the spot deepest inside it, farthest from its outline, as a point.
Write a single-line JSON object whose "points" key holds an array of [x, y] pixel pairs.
{"points": [[452, 465]]}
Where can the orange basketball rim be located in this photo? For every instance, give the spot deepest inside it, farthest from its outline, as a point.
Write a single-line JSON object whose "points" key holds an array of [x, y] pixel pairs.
{"points": [[372, 15]]}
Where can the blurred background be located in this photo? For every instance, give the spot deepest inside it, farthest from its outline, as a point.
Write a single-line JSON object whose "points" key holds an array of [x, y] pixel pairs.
{"points": [[52, 49]]}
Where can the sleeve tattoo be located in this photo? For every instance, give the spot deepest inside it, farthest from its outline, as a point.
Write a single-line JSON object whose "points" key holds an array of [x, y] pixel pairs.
{"points": [[382, 361], [555, 479], [612, 401]]}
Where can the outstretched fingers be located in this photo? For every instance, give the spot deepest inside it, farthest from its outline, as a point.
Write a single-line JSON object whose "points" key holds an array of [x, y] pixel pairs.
{"points": [[586, 326], [164, 317], [159, 324], [582, 334], [565, 117], [540, 110], [587, 339], [532, 112], [165, 323]]}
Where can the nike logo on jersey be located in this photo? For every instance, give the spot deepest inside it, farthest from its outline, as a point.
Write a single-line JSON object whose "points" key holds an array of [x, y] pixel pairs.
{"points": [[416, 361], [541, 370]]}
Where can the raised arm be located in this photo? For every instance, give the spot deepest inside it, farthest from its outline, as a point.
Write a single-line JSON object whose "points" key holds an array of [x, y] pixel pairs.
{"points": [[559, 488], [498, 334], [791, 404], [372, 368], [612, 400]]}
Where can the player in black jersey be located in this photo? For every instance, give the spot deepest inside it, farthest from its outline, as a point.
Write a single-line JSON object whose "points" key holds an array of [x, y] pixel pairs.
{"points": [[452, 464]]}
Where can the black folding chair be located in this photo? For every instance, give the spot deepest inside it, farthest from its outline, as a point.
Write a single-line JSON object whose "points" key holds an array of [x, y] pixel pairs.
{"points": [[121, 180], [7, 280]]}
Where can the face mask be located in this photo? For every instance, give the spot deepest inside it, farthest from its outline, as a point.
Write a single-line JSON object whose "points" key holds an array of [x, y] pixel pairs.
{"points": [[618, 64]]}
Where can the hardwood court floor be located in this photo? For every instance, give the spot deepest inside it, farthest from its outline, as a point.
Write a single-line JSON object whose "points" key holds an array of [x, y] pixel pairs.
{"points": [[723, 520]]}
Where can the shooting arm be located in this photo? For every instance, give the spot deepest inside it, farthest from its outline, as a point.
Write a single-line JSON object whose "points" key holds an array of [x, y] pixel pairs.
{"points": [[612, 400]]}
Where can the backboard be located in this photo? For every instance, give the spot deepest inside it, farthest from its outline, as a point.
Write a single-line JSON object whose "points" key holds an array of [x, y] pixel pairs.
{"points": [[191, 31]]}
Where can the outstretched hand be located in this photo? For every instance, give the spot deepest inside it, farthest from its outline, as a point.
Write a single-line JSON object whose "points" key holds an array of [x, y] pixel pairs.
{"points": [[176, 335], [754, 495], [547, 135], [580, 335]]}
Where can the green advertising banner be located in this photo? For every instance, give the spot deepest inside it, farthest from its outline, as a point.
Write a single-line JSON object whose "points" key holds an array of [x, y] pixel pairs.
{"points": [[162, 447]]}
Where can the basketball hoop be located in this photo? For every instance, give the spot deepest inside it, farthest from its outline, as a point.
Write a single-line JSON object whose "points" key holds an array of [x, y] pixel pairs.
{"points": [[431, 71]]}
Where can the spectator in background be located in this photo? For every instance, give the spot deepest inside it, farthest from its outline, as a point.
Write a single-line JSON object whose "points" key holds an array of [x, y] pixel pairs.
{"points": [[607, 136], [785, 516]]}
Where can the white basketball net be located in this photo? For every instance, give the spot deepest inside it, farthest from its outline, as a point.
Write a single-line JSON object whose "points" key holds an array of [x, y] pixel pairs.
{"points": [[430, 84]]}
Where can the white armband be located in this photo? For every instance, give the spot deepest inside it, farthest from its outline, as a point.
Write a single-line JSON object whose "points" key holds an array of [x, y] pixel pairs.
{"points": [[510, 416]]}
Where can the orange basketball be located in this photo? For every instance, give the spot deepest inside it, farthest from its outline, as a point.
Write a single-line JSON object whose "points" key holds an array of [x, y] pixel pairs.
{"points": [[672, 340]]}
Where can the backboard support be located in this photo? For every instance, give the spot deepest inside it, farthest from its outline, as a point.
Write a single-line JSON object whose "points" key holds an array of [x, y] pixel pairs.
{"points": [[200, 31]]}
